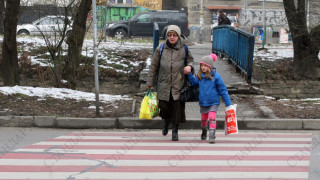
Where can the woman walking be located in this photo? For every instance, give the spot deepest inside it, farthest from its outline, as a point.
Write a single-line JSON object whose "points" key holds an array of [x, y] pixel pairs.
{"points": [[167, 71]]}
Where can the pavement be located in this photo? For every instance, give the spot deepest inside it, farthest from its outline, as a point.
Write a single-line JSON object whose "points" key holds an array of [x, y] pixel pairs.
{"points": [[247, 117]]}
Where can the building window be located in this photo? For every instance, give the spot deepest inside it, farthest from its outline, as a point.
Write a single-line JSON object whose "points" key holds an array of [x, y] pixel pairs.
{"points": [[273, 0], [275, 34], [120, 1]]}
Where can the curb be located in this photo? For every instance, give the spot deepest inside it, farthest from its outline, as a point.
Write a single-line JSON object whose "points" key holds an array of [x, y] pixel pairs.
{"points": [[156, 123]]}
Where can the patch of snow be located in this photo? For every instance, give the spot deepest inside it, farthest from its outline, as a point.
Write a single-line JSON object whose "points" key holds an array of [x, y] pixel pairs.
{"points": [[148, 61], [274, 53], [59, 93]]}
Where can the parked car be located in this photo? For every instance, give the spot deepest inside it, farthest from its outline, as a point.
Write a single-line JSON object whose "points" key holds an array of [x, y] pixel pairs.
{"points": [[48, 25], [142, 24]]}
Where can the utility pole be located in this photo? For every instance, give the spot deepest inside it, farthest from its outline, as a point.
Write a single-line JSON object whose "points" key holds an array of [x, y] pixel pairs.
{"points": [[201, 23], [264, 24], [96, 78], [307, 13], [245, 7]]}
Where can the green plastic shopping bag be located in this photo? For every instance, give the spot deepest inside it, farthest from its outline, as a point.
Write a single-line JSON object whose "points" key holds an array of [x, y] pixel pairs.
{"points": [[149, 106]]}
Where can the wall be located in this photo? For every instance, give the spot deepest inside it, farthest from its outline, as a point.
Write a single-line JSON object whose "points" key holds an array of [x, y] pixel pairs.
{"points": [[274, 17], [182, 4], [269, 4], [209, 7], [149, 4], [194, 13], [314, 13], [250, 19], [291, 89], [60, 3], [252, 16], [28, 14], [169, 5]]}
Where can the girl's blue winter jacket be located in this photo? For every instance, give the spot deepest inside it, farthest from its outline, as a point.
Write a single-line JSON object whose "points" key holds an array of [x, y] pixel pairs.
{"points": [[210, 90]]}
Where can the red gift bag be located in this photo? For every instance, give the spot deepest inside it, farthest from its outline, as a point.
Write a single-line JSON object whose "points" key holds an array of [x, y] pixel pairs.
{"points": [[231, 124]]}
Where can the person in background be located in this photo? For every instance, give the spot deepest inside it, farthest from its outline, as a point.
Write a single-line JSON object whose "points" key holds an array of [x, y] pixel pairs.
{"points": [[211, 87], [167, 71], [223, 19]]}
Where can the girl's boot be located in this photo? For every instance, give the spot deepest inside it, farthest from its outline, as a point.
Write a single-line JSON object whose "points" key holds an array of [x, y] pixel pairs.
{"points": [[165, 128], [175, 128], [212, 135], [204, 133], [212, 131]]}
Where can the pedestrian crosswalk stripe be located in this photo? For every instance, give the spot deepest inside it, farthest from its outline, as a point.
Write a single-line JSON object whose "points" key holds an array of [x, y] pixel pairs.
{"points": [[58, 156], [145, 137], [189, 134], [150, 152], [158, 175], [204, 144], [166, 139], [106, 167], [149, 155], [151, 147], [53, 162]]}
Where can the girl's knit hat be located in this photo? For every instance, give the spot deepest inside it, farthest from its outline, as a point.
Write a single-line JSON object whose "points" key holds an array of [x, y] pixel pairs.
{"points": [[208, 60]]}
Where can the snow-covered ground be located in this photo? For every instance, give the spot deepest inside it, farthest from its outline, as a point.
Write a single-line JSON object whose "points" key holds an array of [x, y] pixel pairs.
{"points": [[59, 93], [276, 52], [28, 43], [33, 42]]}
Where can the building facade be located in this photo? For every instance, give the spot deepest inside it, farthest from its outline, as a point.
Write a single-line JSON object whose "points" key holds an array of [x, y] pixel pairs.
{"points": [[247, 14]]}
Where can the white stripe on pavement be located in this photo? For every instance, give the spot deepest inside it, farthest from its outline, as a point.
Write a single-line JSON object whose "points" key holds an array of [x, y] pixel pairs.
{"points": [[152, 175], [89, 162], [199, 144], [126, 150], [230, 138]]}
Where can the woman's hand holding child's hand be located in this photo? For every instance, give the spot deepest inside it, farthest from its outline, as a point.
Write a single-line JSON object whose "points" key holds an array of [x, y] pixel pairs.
{"points": [[187, 70]]}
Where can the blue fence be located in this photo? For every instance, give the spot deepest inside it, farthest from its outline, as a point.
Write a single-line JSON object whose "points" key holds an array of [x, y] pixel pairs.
{"points": [[156, 35], [236, 45]]}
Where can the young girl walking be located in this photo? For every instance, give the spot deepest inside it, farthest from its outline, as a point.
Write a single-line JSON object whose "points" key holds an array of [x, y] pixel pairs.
{"points": [[211, 87]]}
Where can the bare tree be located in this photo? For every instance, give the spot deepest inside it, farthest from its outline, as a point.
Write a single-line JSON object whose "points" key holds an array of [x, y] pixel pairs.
{"points": [[1, 15], [75, 42], [9, 65], [54, 43], [306, 44]]}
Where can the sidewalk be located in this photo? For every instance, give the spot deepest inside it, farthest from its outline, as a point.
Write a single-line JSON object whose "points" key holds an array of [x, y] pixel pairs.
{"points": [[248, 118]]}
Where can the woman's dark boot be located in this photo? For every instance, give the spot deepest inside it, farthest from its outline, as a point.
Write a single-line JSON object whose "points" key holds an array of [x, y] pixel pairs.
{"points": [[165, 128], [204, 133], [175, 128]]}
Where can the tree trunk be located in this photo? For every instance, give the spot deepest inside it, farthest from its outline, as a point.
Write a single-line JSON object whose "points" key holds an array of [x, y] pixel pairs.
{"points": [[9, 65], [1, 15], [75, 41], [304, 46]]}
